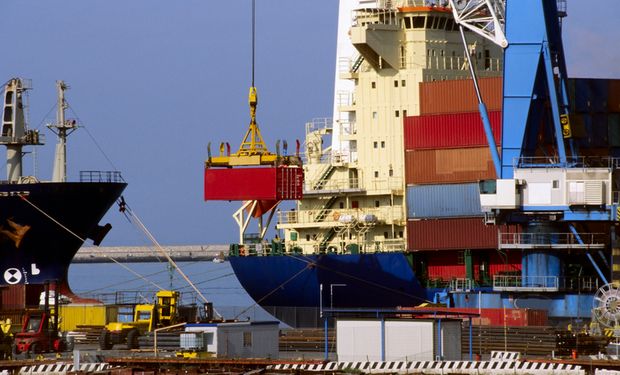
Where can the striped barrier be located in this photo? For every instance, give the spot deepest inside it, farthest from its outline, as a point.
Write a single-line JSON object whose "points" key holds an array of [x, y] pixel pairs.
{"points": [[440, 368], [505, 356], [62, 368]]}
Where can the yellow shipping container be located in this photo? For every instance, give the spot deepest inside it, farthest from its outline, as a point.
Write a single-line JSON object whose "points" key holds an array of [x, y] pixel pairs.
{"points": [[72, 316]]}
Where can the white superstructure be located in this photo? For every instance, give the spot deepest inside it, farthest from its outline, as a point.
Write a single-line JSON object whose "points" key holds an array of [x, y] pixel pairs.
{"points": [[354, 166]]}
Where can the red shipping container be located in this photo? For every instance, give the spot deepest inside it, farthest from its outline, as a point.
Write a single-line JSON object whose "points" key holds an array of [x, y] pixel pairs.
{"points": [[456, 165], [240, 184], [450, 131], [459, 96], [509, 317], [20, 296], [447, 265], [454, 234], [444, 265]]}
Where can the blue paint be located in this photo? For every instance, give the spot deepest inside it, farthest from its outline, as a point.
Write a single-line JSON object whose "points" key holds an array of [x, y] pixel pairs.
{"points": [[382, 338], [488, 131], [448, 200]]}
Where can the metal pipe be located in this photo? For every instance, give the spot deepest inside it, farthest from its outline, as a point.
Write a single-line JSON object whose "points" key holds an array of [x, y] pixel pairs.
{"points": [[596, 267], [482, 108]]}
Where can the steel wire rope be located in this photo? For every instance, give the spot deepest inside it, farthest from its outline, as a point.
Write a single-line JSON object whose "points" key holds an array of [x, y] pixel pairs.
{"points": [[150, 236], [271, 292], [91, 137], [310, 261], [23, 197]]}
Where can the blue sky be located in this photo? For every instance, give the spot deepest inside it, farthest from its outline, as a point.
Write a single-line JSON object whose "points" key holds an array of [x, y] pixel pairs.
{"points": [[154, 81]]}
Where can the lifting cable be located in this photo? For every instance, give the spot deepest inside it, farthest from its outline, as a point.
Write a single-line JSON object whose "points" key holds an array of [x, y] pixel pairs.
{"points": [[23, 197], [137, 222]]}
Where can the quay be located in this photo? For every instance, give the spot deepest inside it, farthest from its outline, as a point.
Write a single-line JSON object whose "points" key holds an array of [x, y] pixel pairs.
{"points": [[134, 254]]}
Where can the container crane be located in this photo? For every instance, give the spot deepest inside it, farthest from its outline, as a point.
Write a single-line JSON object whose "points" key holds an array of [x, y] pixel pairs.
{"points": [[253, 174], [549, 184]]}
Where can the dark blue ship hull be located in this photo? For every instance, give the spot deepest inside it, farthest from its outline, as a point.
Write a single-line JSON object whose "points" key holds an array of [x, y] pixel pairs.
{"points": [[289, 287], [43, 225]]}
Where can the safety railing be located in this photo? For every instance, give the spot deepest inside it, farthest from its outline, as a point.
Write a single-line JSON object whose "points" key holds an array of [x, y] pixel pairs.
{"points": [[343, 217], [101, 176], [458, 63], [559, 240], [342, 184], [461, 285], [526, 283]]}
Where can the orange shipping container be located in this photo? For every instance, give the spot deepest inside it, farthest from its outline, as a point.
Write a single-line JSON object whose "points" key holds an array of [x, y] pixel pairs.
{"points": [[456, 165], [457, 96]]}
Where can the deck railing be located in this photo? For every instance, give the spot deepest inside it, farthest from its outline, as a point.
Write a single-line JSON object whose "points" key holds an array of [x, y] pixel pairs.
{"points": [[101, 176]]}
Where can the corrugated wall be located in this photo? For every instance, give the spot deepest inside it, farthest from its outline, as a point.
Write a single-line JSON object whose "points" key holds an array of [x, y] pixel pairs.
{"points": [[448, 166], [436, 201], [458, 96], [450, 130], [453, 234]]}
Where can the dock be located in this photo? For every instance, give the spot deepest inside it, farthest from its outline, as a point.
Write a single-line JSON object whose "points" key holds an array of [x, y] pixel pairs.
{"points": [[134, 254]]}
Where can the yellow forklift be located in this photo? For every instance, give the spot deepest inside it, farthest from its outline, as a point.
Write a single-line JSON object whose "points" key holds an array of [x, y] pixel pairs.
{"points": [[146, 318]]}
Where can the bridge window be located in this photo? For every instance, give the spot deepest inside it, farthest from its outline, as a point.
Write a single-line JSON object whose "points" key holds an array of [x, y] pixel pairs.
{"points": [[442, 23], [407, 22], [429, 22], [418, 22]]}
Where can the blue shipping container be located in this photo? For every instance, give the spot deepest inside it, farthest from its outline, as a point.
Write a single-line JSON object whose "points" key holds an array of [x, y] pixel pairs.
{"points": [[443, 201]]}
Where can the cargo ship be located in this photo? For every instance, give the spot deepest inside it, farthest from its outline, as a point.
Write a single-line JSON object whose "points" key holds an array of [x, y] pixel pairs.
{"points": [[44, 223], [391, 212]]}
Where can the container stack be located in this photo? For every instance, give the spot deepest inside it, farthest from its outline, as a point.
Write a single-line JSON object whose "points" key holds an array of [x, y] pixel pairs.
{"points": [[595, 117], [446, 155]]}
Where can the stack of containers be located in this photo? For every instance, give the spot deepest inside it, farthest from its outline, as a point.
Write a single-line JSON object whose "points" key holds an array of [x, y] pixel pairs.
{"points": [[595, 117], [446, 154]]}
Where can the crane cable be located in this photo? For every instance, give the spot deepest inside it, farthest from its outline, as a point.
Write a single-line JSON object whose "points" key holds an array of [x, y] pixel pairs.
{"points": [[23, 197], [131, 215]]}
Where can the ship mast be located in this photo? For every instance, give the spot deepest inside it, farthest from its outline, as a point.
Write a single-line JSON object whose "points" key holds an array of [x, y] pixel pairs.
{"points": [[15, 134], [62, 128]]}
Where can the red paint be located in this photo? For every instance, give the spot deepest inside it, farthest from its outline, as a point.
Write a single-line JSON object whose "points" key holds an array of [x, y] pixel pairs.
{"points": [[444, 265], [267, 183], [487, 316], [451, 166], [450, 130], [453, 234], [458, 96]]}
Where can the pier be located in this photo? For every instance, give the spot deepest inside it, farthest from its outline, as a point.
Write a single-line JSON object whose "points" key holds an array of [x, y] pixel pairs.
{"points": [[129, 254]]}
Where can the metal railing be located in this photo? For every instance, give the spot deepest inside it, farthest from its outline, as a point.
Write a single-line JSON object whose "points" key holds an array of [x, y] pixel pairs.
{"points": [[101, 176], [544, 283], [457, 63], [356, 216], [333, 184], [552, 239], [387, 15], [461, 285]]}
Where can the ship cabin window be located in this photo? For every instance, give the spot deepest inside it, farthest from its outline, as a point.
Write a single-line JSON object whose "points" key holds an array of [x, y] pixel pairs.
{"points": [[382, 144], [376, 174], [307, 237], [341, 205], [403, 83], [396, 83], [400, 234], [374, 115], [442, 23], [451, 25], [404, 113], [556, 184], [373, 85], [391, 173], [407, 22], [418, 22], [386, 235], [396, 113], [487, 59], [377, 204], [429, 22], [375, 144], [355, 204]]}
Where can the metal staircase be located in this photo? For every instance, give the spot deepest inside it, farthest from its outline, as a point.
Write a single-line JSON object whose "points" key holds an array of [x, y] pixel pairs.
{"points": [[323, 213], [320, 183], [328, 237], [357, 63]]}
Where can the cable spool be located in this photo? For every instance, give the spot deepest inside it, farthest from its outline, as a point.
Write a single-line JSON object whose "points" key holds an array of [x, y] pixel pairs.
{"points": [[606, 306]]}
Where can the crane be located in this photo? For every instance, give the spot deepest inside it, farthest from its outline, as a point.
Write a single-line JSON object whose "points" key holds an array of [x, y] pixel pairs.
{"points": [[558, 188], [253, 174]]}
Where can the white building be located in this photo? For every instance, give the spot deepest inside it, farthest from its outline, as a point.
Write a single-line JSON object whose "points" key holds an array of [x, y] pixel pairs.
{"points": [[398, 340]]}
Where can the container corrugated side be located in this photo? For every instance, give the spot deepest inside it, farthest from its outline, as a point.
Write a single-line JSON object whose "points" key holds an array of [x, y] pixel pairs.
{"points": [[266, 183], [458, 96], [509, 317], [453, 234], [444, 265], [447, 265], [448, 166], [72, 316], [589, 95], [452, 130], [450, 200]]}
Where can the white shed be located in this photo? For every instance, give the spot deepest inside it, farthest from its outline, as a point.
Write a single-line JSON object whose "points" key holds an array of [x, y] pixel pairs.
{"points": [[398, 339], [234, 339]]}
